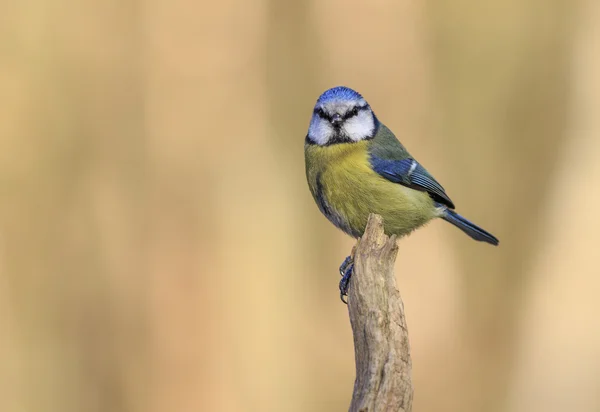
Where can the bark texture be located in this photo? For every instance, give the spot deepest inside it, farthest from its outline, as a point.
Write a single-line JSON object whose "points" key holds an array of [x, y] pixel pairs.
{"points": [[382, 352]]}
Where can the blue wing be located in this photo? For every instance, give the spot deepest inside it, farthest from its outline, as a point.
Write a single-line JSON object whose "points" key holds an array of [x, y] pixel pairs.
{"points": [[408, 172]]}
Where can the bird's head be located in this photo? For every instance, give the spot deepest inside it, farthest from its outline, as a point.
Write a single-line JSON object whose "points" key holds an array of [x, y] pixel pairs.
{"points": [[341, 115]]}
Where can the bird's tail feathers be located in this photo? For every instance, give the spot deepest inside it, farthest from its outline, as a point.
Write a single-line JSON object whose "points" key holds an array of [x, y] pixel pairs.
{"points": [[469, 228]]}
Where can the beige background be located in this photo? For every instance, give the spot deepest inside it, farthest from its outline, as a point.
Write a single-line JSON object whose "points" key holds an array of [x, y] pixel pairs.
{"points": [[160, 251]]}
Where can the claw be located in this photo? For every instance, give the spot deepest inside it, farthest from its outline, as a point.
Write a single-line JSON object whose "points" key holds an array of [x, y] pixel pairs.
{"points": [[345, 265], [345, 282]]}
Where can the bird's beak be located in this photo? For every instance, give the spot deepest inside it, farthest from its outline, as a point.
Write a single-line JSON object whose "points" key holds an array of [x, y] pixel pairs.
{"points": [[336, 120]]}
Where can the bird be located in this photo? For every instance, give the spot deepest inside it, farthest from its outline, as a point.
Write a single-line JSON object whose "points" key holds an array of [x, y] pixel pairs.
{"points": [[356, 166]]}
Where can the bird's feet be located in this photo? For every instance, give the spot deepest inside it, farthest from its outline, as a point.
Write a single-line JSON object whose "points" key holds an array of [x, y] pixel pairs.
{"points": [[346, 272]]}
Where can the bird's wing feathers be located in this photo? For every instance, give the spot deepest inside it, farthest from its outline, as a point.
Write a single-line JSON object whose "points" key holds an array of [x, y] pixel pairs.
{"points": [[410, 173]]}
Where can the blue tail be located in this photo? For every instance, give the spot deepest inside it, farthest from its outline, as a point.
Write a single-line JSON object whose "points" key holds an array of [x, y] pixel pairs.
{"points": [[469, 228]]}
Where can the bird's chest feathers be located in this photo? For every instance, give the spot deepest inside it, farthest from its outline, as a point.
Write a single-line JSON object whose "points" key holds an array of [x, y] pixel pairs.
{"points": [[340, 177], [341, 167]]}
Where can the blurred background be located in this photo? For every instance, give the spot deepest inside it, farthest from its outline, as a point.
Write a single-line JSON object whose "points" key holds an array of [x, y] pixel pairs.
{"points": [[160, 250]]}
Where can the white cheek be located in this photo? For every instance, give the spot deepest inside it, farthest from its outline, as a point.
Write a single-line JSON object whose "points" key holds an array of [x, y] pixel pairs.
{"points": [[360, 126], [320, 131]]}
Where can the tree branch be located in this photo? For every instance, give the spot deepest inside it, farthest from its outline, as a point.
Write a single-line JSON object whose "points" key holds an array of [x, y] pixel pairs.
{"points": [[381, 348]]}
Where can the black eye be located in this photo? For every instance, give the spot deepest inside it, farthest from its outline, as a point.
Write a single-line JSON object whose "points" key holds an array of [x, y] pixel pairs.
{"points": [[351, 113], [320, 112]]}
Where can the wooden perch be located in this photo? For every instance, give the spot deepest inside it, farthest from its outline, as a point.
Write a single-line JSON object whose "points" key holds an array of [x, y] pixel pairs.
{"points": [[381, 348]]}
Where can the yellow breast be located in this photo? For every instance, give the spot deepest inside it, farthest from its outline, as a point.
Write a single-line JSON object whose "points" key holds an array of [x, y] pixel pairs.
{"points": [[347, 189]]}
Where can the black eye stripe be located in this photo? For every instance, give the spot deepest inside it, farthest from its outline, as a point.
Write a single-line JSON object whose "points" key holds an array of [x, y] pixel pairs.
{"points": [[355, 110], [351, 113], [321, 113]]}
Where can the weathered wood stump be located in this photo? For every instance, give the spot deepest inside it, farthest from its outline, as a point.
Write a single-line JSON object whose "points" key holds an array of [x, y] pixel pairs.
{"points": [[382, 352]]}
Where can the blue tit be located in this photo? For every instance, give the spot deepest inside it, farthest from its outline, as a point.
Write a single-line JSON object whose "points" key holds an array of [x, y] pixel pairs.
{"points": [[356, 166]]}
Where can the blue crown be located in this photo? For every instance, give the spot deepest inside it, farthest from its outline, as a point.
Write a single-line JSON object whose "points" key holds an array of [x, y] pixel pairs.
{"points": [[339, 93]]}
